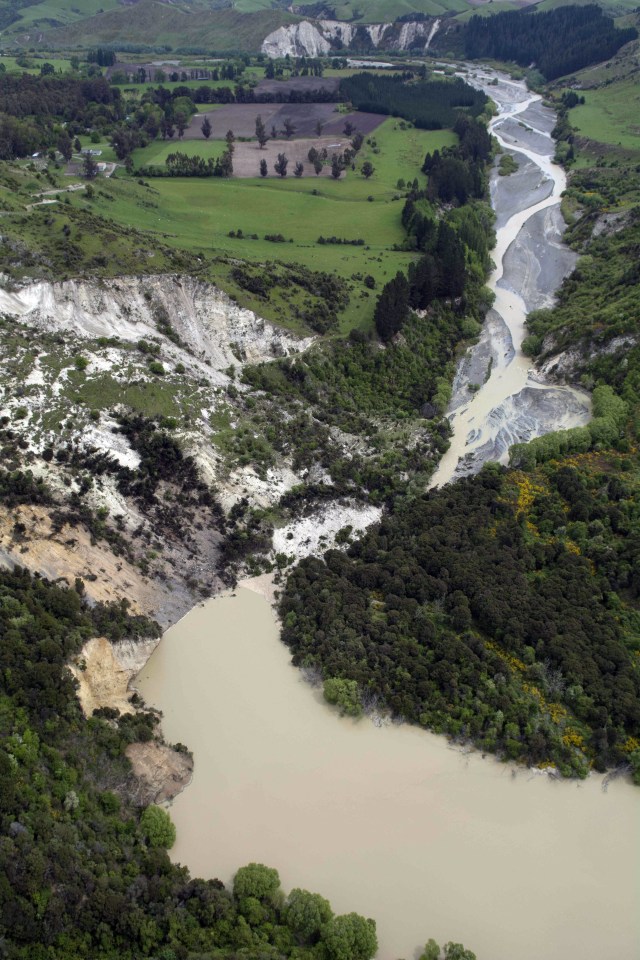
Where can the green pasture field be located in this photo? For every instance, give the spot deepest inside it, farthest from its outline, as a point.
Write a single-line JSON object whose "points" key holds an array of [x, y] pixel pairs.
{"points": [[158, 150], [56, 62], [610, 114], [401, 154], [197, 214]]}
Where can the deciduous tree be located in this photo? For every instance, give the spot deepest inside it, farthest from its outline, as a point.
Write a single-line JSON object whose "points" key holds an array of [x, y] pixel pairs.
{"points": [[261, 132], [280, 166]]}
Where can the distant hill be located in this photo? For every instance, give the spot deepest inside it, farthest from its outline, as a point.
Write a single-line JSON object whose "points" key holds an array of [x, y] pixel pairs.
{"points": [[154, 23], [228, 25], [191, 23]]}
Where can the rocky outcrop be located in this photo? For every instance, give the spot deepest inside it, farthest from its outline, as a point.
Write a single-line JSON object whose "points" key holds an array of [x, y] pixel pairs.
{"points": [[307, 39], [297, 40], [212, 327], [103, 671]]}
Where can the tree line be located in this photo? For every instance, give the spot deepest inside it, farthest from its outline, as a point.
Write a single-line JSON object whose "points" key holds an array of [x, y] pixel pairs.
{"points": [[454, 243], [428, 104]]}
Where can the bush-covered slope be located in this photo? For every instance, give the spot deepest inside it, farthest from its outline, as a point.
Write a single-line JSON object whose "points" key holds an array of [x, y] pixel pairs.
{"points": [[503, 609], [599, 302], [557, 42]]}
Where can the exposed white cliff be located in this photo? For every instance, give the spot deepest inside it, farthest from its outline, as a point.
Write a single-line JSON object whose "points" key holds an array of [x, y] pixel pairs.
{"points": [[314, 39], [334, 30], [215, 331], [412, 34], [297, 40]]}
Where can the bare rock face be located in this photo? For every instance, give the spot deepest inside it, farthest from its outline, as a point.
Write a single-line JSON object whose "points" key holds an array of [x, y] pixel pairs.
{"points": [[308, 39], [160, 771], [211, 325], [103, 671], [298, 40]]}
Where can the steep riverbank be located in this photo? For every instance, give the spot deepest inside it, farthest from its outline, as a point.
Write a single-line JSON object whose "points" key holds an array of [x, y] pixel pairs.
{"points": [[498, 397]]}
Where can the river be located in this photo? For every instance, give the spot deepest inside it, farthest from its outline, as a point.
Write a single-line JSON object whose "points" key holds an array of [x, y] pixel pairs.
{"points": [[513, 403], [390, 821]]}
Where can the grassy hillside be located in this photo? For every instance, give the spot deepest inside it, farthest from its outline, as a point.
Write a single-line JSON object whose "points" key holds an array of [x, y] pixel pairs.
{"points": [[21, 17], [197, 215], [156, 24], [610, 114], [241, 26], [378, 11]]}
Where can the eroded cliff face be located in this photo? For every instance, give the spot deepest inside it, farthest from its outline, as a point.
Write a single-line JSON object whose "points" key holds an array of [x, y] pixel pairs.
{"points": [[75, 358], [99, 510], [215, 332], [319, 37]]}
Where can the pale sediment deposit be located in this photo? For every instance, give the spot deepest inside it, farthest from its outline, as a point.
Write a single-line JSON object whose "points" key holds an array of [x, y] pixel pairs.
{"points": [[498, 397]]}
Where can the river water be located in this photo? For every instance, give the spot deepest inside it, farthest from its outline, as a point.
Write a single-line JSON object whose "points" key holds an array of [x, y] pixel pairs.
{"points": [[512, 402], [390, 821]]}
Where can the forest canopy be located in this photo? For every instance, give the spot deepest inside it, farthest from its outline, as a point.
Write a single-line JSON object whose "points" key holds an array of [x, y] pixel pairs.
{"points": [[501, 610], [557, 42], [429, 104]]}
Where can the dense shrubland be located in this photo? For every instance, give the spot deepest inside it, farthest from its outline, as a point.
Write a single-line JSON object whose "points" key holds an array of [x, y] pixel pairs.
{"points": [[600, 300], [501, 610], [84, 873], [557, 42]]}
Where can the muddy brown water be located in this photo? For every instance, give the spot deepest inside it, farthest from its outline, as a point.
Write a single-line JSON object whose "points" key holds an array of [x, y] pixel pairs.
{"points": [[391, 822]]}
